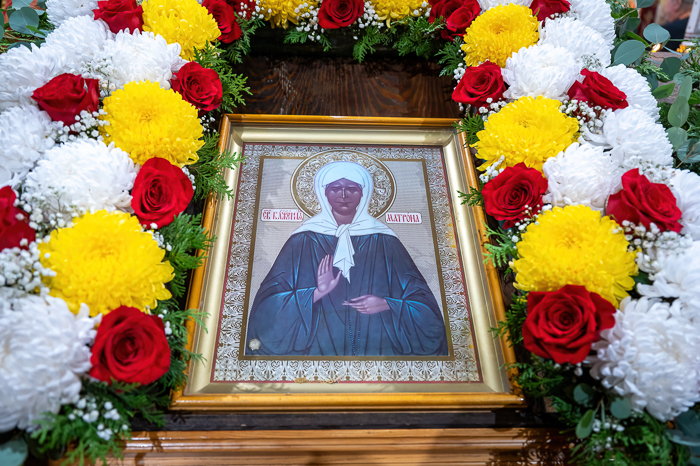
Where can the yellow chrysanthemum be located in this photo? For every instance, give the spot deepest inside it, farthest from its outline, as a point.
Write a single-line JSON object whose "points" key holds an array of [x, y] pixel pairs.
{"points": [[397, 9], [529, 130], [183, 21], [279, 13], [106, 260], [498, 32], [148, 121], [575, 245]]}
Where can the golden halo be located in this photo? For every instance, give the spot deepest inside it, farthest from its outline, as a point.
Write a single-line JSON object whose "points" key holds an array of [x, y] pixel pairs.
{"points": [[303, 180]]}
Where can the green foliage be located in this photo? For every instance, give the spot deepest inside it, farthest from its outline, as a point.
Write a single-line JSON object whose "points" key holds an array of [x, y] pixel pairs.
{"points": [[25, 26], [512, 326], [234, 85], [472, 198], [210, 170], [416, 36], [503, 251], [182, 237], [470, 126], [238, 49], [450, 57], [367, 42]]}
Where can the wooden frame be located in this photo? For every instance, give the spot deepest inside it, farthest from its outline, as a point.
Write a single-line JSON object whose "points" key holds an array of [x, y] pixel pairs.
{"points": [[482, 292]]}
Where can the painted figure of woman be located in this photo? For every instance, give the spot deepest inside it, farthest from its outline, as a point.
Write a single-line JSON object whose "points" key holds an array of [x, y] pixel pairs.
{"points": [[344, 285]]}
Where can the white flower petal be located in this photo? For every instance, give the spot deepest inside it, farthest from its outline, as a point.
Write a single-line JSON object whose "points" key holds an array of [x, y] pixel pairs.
{"points": [[686, 187], [588, 47], [43, 353], [540, 70], [636, 88], [597, 15], [59, 11], [25, 133], [142, 56], [582, 174], [651, 356], [79, 176]]}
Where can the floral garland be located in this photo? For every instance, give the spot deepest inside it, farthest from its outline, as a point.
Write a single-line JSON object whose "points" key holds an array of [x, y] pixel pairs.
{"points": [[107, 122]]}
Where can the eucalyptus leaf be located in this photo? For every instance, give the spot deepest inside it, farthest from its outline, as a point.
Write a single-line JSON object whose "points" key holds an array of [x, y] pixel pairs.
{"points": [[2, 29], [685, 85], [631, 24], [585, 424], [621, 408], [41, 4], [663, 91], [677, 136], [678, 113], [19, 4], [652, 80], [689, 423], [645, 3], [628, 52], [656, 34], [22, 19], [677, 436], [583, 394], [671, 65], [13, 452]]}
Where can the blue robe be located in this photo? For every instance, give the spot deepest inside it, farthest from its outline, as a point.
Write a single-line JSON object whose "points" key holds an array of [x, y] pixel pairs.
{"points": [[286, 322]]}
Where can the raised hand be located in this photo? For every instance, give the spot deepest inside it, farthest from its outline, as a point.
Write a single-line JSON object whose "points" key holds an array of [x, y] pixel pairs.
{"points": [[325, 281], [368, 304]]}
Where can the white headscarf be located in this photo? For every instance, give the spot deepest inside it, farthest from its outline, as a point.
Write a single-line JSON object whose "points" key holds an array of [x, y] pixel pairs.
{"points": [[362, 224]]}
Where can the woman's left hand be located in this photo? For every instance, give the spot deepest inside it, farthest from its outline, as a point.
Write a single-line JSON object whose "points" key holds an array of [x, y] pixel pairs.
{"points": [[368, 304]]}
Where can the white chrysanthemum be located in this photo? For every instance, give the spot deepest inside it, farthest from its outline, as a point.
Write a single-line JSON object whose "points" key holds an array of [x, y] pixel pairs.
{"points": [[82, 37], [23, 70], [651, 356], [587, 46], [25, 133], [59, 11], [486, 4], [635, 86], [540, 70], [597, 15], [142, 56], [582, 174], [677, 276], [686, 187], [79, 176], [43, 353], [634, 138]]}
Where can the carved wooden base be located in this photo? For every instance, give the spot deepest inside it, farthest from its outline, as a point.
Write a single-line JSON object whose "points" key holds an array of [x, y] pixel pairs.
{"points": [[359, 447]]}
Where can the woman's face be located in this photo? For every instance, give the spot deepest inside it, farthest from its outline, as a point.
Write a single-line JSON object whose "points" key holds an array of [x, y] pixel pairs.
{"points": [[344, 196]]}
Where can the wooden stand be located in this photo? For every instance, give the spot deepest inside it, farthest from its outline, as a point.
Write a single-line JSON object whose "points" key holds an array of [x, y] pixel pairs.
{"points": [[360, 447]]}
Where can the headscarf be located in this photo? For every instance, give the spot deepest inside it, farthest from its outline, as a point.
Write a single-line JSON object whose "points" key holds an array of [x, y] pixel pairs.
{"points": [[362, 224]]}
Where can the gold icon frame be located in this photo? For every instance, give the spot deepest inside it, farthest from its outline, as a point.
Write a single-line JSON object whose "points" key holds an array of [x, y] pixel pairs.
{"points": [[482, 282]]}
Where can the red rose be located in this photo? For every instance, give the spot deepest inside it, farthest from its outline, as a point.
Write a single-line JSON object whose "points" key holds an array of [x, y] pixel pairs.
{"points": [[598, 90], [130, 346], [642, 202], [13, 222], [516, 193], [561, 325], [120, 14], [66, 95], [225, 17], [546, 8], [458, 15], [199, 86], [335, 14], [479, 84], [161, 191], [243, 8]]}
